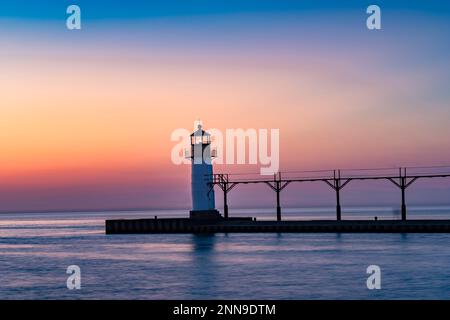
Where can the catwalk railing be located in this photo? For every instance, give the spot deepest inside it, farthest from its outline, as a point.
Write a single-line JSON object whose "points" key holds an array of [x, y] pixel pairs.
{"points": [[336, 179]]}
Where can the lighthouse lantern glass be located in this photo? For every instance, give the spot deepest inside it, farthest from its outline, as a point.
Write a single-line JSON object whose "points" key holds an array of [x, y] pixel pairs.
{"points": [[200, 139]]}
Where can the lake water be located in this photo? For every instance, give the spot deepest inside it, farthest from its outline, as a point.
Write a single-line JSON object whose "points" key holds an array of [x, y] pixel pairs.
{"points": [[36, 249]]}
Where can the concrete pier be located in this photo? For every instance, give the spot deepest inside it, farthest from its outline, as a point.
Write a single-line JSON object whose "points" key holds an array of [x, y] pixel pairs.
{"points": [[247, 225]]}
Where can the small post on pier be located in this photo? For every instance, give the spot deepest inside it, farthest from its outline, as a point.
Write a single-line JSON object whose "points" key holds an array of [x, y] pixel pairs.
{"points": [[403, 189], [403, 182], [336, 184], [277, 181], [225, 201], [278, 206], [277, 185], [338, 206], [223, 182], [337, 187]]}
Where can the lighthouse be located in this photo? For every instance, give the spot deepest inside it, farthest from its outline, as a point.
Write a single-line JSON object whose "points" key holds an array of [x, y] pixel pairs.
{"points": [[203, 202]]}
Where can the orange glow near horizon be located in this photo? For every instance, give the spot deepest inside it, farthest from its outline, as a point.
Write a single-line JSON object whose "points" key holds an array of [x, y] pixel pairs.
{"points": [[76, 118]]}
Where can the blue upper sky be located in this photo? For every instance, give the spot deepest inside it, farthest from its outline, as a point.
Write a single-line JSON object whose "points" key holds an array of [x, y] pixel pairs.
{"points": [[131, 9]]}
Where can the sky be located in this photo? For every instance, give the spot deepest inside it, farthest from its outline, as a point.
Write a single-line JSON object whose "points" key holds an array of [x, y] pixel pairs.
{"points": [[86, 115]]}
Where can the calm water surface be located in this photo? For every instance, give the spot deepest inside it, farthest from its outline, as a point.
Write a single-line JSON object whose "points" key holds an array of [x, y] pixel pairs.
{"points": [[35, 250]]}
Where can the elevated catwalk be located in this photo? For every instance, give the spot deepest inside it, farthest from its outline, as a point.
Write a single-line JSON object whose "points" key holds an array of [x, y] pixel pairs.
{"points": [[213, 222], [247, 225]]}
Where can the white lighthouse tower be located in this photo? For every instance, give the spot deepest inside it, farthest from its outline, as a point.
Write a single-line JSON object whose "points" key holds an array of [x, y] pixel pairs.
{"points": [[203, 202]]}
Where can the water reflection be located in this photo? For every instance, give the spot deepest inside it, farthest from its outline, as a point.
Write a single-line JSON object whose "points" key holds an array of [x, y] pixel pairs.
{"points": [[204, 264], [202, 243]]}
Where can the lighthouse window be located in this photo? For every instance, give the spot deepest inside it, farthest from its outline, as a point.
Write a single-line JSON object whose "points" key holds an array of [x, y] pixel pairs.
{"points": [[200, 139]]}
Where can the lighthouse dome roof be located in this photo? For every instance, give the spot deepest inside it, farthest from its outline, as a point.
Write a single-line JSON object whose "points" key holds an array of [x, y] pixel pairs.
{"points": [[200, 132]]}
